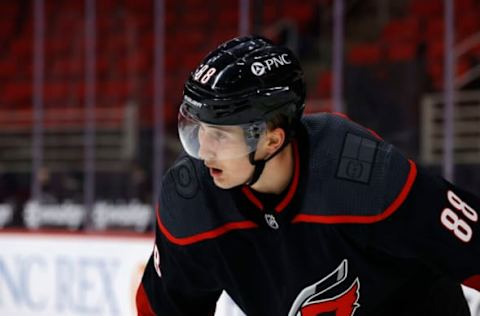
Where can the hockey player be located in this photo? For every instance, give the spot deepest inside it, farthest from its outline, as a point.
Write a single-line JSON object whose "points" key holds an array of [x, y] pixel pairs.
{"points": [[295, 215]]}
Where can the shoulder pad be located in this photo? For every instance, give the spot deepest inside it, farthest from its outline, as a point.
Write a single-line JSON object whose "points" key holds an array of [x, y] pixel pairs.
{"points": [[189, 204], [354, 176]]}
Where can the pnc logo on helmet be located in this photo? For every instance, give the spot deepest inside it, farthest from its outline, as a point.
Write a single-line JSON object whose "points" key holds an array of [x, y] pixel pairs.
{"points": [[260, 68]]}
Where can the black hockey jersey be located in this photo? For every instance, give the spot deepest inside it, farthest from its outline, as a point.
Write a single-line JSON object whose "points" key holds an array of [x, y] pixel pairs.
{"points": [[359, 231]]}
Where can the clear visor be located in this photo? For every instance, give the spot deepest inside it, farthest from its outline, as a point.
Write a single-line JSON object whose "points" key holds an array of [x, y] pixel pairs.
{"points": [[218, 142]]}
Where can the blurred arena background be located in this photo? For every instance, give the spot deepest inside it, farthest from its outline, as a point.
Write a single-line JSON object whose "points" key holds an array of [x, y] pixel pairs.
{"points": [[89, 91]]}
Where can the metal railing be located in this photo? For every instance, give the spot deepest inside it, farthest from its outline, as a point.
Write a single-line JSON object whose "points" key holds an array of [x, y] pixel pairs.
{"points": [[466, 129]]}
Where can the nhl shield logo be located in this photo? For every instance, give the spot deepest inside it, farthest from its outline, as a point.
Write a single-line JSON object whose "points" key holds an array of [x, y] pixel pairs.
{"points": [[329, 296], [271, 221]]}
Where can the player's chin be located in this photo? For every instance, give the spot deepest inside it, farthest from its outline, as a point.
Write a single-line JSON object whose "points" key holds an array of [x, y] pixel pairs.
{"points": [[222, 184], [226, 183]]}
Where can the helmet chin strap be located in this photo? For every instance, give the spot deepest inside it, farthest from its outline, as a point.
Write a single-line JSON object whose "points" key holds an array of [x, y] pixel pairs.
{"points": [[260, 164]]}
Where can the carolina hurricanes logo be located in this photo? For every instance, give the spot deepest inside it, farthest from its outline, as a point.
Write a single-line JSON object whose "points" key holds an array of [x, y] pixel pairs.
{"points": [[322, 297]]}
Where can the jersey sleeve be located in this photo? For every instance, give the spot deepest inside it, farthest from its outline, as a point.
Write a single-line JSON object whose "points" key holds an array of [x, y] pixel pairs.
{"points": [[438, 225], [174, 283]]}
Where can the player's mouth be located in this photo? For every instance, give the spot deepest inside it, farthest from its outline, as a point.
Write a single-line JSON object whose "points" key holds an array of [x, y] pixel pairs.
{"points": [[215, 172]]}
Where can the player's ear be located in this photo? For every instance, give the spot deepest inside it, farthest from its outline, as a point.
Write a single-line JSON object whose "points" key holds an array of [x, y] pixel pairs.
{"points": [[274, 140]]}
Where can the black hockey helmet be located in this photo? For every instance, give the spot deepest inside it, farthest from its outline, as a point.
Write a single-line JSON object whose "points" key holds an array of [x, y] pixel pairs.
{"points": [[244, 82]]}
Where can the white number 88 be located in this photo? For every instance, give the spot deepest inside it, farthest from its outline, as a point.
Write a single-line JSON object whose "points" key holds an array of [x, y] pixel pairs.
{"points": [[462, 206], [458, 226]]}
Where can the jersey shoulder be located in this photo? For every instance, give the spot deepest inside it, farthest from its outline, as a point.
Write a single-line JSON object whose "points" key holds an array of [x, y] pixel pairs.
{"points": [[354, 176], [191, 208]]}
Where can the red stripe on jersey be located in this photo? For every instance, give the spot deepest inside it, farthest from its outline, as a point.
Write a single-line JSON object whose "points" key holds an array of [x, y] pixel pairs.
{"points": [[473, 282], [365, 219], [345, 116], [291, 190], [249, 194], [214, 233], [143, 305], [375, 134]]}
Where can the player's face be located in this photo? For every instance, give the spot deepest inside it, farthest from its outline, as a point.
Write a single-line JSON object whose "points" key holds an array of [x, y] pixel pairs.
{"points": [[225, 153]]}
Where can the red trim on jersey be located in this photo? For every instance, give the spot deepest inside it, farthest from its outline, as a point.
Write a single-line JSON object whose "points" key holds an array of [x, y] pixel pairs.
{"points": [[473, 282], [249, 194], [374, 133], [291, 190], [214, 233], [365, 219], [143, 305], [345, 116], [368, 129]]}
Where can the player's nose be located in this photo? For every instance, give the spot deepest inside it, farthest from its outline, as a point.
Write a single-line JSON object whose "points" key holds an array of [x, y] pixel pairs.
{"points": [[206, 155], [206, 149]]}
